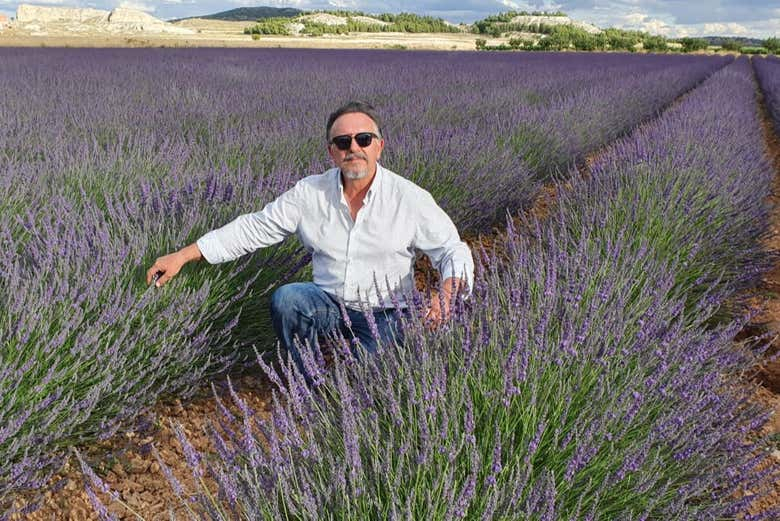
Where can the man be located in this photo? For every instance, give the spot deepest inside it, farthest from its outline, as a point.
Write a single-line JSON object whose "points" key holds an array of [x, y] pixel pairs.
{"points": [[362, 224]]}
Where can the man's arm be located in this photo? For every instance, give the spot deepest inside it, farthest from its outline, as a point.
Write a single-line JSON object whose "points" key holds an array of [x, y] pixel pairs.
{"points": [[169, 265], [437, 237], [248, 232]]}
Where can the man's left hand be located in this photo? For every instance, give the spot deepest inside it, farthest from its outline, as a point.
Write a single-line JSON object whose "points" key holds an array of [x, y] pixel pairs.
{"points": [[439, 311]]}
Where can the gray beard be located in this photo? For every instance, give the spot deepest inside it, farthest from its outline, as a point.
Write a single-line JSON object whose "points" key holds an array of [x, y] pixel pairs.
{"points": [[354, 176]]}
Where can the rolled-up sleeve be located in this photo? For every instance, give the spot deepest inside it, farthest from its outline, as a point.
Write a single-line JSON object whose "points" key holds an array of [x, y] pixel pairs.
{"points": [[249, 232], [437, 237]]}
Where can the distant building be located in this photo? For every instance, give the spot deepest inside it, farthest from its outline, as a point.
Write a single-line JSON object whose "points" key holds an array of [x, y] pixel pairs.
{"points": [[3, 21]]}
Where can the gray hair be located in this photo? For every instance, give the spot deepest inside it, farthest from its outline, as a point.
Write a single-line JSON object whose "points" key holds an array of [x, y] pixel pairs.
{"points": [[352, 107]]}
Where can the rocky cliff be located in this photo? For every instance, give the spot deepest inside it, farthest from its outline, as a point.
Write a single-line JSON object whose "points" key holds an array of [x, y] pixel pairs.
{"points": [[554, 20], [80, 21]]}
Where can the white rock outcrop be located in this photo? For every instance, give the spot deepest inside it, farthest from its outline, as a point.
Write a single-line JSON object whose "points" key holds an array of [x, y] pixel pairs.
{"points": [[75, 20], [554, 20], [26, 13], [323, 18]]}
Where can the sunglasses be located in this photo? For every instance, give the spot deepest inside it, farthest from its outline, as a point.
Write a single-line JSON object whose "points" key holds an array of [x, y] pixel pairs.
{"points": [[363, 139]]}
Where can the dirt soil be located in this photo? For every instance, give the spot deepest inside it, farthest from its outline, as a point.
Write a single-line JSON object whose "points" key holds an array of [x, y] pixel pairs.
{"points": [[128, 466], [218, 33], [766, 301]]}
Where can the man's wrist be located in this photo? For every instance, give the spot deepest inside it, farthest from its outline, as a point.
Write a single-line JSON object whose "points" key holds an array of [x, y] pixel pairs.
{"points": [[191, 253]]}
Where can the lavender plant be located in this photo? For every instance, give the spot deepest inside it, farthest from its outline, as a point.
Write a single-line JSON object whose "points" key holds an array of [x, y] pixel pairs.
{"points": [[768, 76], [581, 379], [683, 197], [112, 157], [552, 138]]}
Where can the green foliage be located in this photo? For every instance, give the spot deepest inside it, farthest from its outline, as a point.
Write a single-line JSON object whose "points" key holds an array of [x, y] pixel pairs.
{"points": [[317, 29], [754, 50], [693, 44], [772, 45], [622, 40], [730, 45], [655, 44], [402, 23], [516, 43], [270, 26], [568, 36], [396, 23], [481, 44]]}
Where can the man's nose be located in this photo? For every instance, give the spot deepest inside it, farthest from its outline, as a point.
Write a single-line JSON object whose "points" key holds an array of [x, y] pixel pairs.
{"points": [[353, 146]]}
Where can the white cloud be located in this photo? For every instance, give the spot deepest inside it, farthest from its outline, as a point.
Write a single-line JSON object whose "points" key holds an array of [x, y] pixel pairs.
{"points": [[49, 2], [510, 4], [635, 18], [729, 29], [299, 4], [344, 4], [138, 5], [644, 22]]}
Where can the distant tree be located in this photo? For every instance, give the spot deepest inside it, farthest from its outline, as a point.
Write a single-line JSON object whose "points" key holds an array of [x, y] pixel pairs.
{"points": [[269, 26], [620, 40], [730, 44], [772, 45], [754, 50], [654, 43], [481, 44], [693, 44]]}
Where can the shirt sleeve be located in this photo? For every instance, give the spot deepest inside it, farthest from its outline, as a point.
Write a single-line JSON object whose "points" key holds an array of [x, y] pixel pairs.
{"points": [[249, 232], [437, 237]]}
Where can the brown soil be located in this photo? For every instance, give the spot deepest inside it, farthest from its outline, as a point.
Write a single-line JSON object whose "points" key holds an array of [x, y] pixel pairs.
{"points": [[766, 300], [127, 465]]}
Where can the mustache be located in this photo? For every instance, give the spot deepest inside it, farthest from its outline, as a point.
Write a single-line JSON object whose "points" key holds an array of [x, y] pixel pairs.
{"points": [[358, 155]]}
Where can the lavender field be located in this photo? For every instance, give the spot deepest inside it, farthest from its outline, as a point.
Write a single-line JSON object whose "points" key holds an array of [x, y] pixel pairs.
{"points": [[589, 376]]}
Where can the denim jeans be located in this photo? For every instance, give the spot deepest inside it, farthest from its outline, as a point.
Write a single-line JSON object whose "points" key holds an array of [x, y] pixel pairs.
{"points": [[302, 311]]}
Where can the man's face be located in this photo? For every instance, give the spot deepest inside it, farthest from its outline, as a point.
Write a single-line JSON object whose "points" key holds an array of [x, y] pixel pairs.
{"points": [[356, 162]]}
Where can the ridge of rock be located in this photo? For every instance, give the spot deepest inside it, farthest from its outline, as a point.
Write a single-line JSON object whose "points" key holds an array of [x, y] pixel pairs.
{"points": [[26, 13], [554, 20], [81, 20]]}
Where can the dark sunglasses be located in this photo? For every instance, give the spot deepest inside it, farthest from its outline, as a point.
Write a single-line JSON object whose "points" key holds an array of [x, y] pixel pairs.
{"points": [[363, 139]]}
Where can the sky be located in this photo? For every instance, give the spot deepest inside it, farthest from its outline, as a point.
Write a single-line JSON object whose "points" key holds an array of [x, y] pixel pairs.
{"points": [[671, 18]]}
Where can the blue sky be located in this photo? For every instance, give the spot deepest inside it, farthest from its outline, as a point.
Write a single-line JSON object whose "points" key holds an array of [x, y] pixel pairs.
{"points": [[673, 18]]}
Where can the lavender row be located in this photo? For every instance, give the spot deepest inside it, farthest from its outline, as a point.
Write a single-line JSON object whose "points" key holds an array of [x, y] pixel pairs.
{"points": [[653, 180], [123, 119], [583, 379], [768, 75], [112, 157]]}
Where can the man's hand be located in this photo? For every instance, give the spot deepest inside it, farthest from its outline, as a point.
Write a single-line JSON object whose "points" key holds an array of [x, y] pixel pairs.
{"points": [[440, 311], [168, 266]]}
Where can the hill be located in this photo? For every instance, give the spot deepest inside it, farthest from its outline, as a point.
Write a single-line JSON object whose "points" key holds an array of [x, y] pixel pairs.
{"points": [[249, 14], [743, 41]]}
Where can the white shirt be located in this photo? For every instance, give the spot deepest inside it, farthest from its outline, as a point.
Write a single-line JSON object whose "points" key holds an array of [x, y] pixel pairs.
{"points": [[397, 219]]}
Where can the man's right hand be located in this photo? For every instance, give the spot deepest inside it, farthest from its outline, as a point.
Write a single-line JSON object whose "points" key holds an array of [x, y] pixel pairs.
{"points": [[168, 266]]}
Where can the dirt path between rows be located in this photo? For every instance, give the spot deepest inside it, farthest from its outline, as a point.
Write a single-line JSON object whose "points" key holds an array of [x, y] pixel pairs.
{"points": [[129, 467], [766, 300]]}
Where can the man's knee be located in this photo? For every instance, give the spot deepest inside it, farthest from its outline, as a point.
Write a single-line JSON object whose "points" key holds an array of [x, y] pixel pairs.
{"points": [[295, 298], [283, 300]]}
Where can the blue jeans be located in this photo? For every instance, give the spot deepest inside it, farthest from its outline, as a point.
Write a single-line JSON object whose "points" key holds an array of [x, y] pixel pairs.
{"points": [[301, 312]]}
